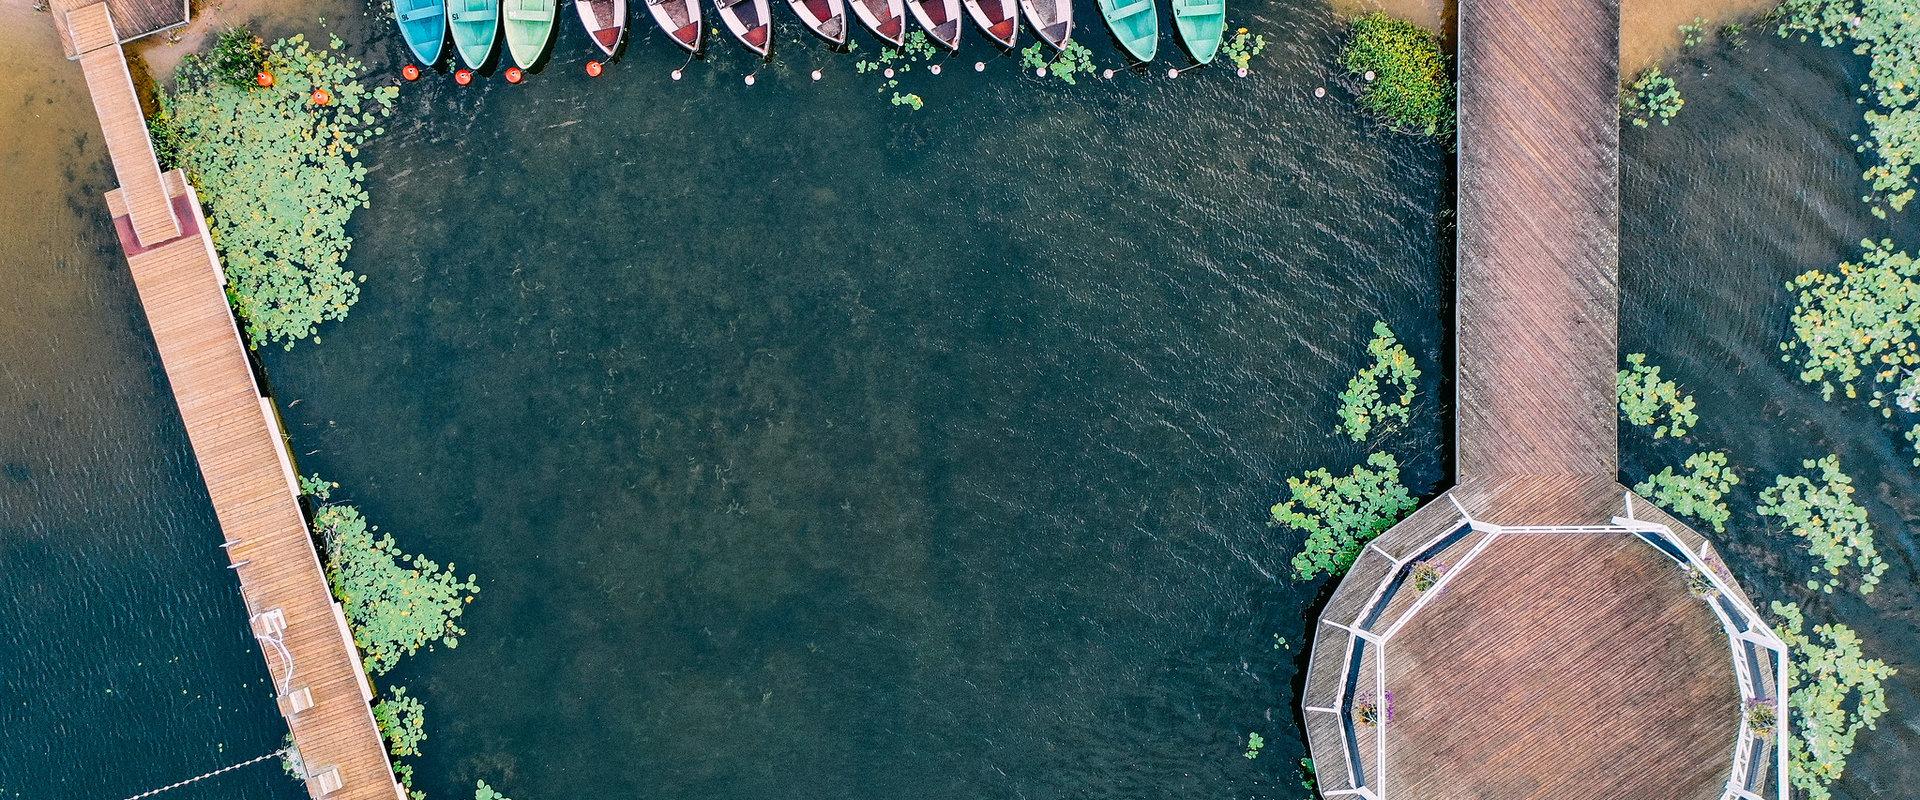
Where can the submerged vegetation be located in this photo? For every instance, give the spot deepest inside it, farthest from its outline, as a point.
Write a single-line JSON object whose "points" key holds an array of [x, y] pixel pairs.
{"points": [[1339, 514], [1652, 97], [1835, 693], [1824, 514], [276, 169], [1409, 79], [1363, 406], [1888, 33], [1646, 400], [1697, 492]]}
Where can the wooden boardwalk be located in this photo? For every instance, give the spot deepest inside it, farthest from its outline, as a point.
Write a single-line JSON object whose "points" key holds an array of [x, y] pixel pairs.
{"points": [[1570, 660], [236, 437]]}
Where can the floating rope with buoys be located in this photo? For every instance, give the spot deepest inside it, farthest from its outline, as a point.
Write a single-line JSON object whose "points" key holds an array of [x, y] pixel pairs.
{"points": [[221, 771]]}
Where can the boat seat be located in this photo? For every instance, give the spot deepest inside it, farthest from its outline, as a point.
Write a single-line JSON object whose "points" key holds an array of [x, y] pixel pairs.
{"points": [[948, 31], [1133, 8], [1200, 11], [529, 16], [421, 13], [482, 15]]}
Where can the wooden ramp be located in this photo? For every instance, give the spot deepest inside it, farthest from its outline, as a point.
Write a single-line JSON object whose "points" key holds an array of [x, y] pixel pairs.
{"points": [[237, 440], [1578, 657]]}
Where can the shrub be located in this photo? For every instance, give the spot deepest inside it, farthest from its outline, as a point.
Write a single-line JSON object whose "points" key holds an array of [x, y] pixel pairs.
{"points": [[1652, 97], [1835, 528], [1646, 400], [1339, 515], [1835, 693], [395, 602], [1373, 713], [1412, 89], [1761, 716], [1427, 574], [1361, 406], [279, 179], [1697, 492]]}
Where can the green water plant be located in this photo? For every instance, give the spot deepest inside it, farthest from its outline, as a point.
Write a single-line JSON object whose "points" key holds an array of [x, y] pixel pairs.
{"points": [[1888, 33], [1241, 46], [1254, 742], [1338, 515], [893, 64], [395, 602], [278, 172], [1309, 778], [1408, 78], [1364, 404], [401, 720], [1068, 65], [237, 56], [1698, 491], [1648, 401], [1821, 511], [1835, 693], [1651, 97], [481, 791], [1692, 34], [1860, 324]]}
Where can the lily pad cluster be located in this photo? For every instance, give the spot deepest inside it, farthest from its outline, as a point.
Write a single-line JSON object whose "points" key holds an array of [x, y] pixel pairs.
{"points": [[1821, 511], [1888, 33], [1339, 514], [1071, 62], [1648, 401], [1241, 46], [277, 167], [396, 602], [1697, 491], [1835, 693], [1380, 395], [1652, 97], [893, 63], [1860, 324]]}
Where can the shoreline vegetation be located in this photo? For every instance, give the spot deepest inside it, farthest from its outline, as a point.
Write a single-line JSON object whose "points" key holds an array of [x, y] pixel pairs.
{"points": [[1406, 79]]}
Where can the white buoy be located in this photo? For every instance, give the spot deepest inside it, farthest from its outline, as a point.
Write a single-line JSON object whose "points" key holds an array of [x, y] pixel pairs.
{"points": [[1369, 76], [749, 80], [676, 74], [888, 72], [1040, 71], [935, 69], [1173, 73], [816, 74], [1108, 74], [1320, 91], [979, 66], [1242, 72]]}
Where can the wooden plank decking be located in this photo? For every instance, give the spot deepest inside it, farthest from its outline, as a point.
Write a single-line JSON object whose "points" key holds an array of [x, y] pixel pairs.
{"points": [[132, 19], [237, 440]]}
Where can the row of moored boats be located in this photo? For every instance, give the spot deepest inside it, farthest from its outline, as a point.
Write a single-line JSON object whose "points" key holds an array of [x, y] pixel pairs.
{"points": [[477, 26]]}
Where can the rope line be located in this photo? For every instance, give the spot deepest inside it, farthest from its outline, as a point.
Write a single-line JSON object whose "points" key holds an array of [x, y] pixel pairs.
{"points": [[221, 771]]}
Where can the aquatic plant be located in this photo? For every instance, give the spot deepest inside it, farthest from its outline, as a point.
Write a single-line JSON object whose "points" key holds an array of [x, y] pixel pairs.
{"points": [[911, 100], [1652, 97], [1411, 84], [1913, 438], [237, 57], [481, 791], [1888, 32], [1254, 742], [395, 602], [1824, 514], [1646, 400], [1362, 407], [318, 488], [1693, 33], [1427, 574], [1309, 778], [1735, 33], [1072, 61], [278, 174], [1697, 492], [1836, 692], [401, 720], [1241, 47], [892, 63], [1340, 514], [1861, 320]]}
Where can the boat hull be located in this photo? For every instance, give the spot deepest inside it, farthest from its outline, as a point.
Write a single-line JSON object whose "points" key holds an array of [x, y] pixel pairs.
{"points": [[940, 18], [1136, 24], [605, 21], [476, 29], [826, 18], [886, 18], [998, 19], [528, 27], [749, 22], [1052, 19], [1202, 24], [679, 20], [423, 26]]}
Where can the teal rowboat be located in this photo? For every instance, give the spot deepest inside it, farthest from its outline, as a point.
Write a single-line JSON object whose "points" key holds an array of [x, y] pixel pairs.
{"points": [[423, 24], [1201, 24], [476, 25], [1136, 23], [530, 26]]}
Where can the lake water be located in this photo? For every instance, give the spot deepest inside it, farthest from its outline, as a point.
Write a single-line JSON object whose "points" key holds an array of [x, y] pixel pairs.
{"points": [[806, 446]]}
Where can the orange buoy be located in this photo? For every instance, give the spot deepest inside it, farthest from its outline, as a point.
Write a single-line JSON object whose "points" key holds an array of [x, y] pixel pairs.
{"points": [[463, 77], [514, 75], [322, 97], [594, 68], [264, 78], [410, 72]]}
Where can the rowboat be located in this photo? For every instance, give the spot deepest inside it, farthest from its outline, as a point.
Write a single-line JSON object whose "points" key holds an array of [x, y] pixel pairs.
{"points": [[888, 18], [1201, 24], [1136, 23], [423, 24], [749, 21], [941, 18], [605, 21], [825, 17], [529, 26], [476, 26], [1052, 18], [1000, 19], [680, 19]]}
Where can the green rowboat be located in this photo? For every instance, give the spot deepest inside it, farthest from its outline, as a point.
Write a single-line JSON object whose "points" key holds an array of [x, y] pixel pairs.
{"points": [[530, 26], [423, 24], [1136, 23], [476, 25], [1201, 24]]}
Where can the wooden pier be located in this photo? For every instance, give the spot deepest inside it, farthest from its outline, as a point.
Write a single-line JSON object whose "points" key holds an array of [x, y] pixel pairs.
{"points": [[234, 429], [1579, 643]]}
